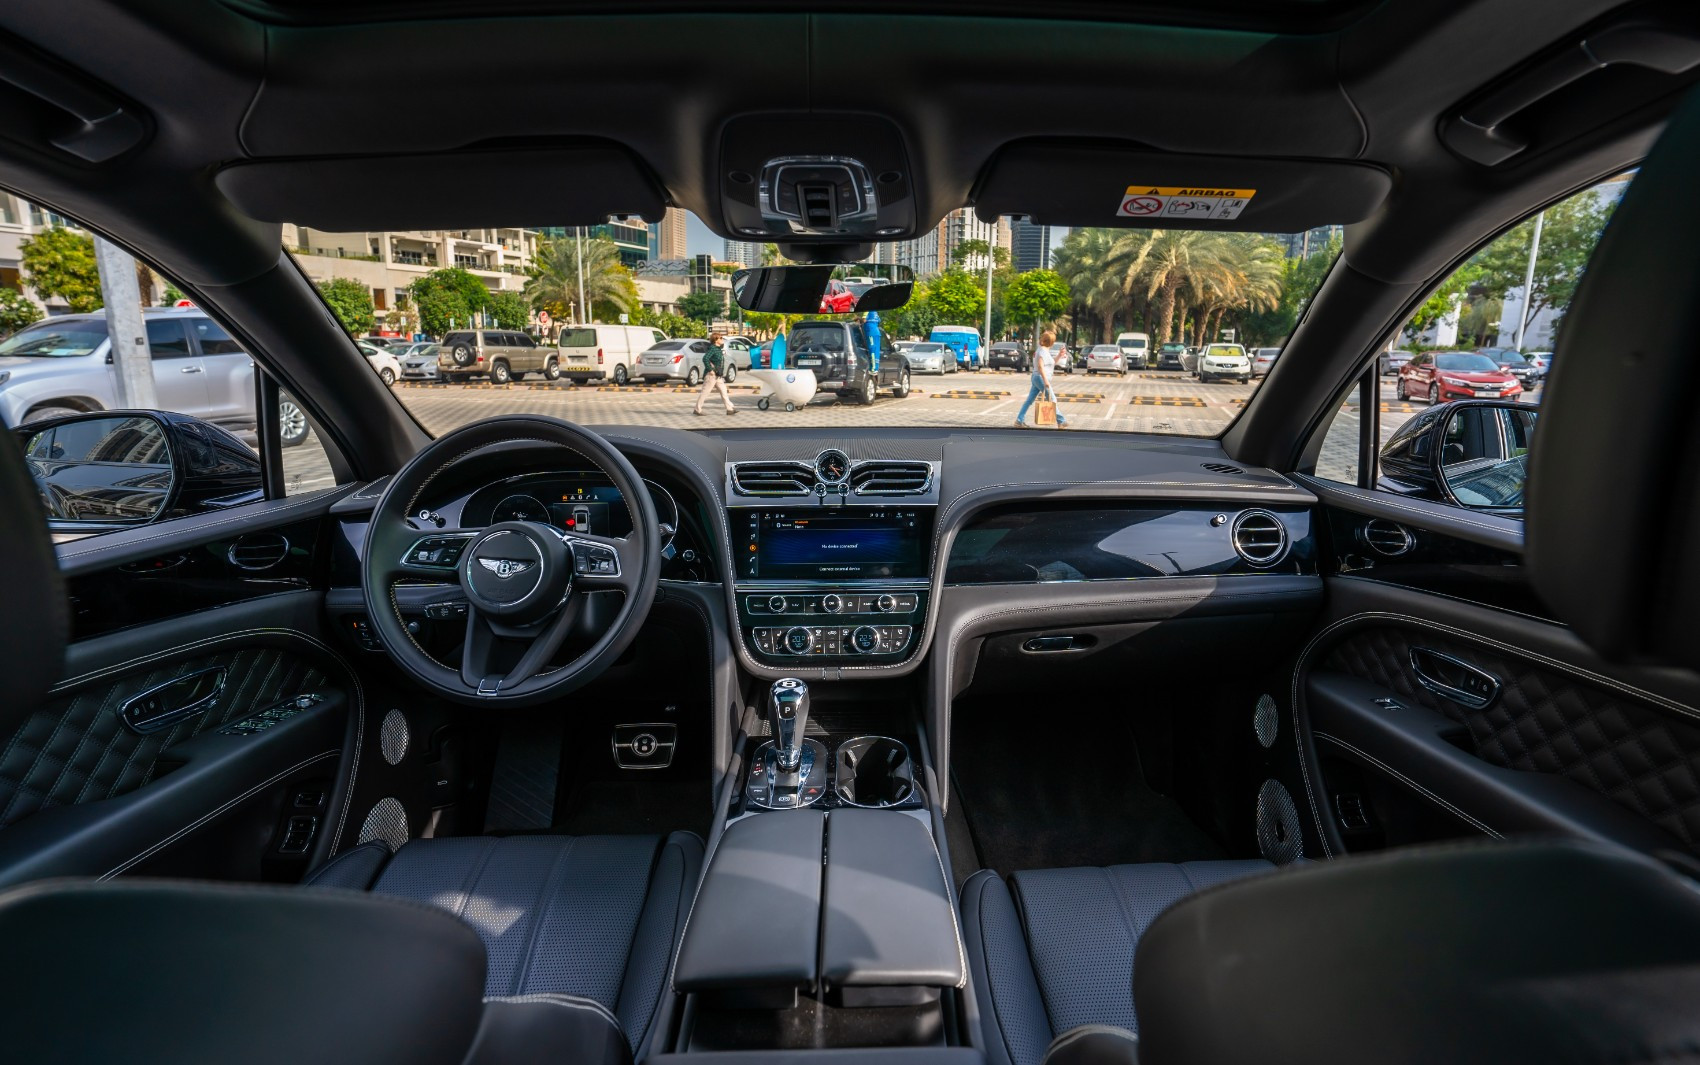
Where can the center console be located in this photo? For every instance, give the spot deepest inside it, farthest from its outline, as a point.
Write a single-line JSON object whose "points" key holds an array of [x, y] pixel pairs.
{"points": [[832, 584]]}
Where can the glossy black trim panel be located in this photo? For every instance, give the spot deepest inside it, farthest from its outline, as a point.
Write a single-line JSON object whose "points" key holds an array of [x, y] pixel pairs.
{"points": [[1504, 534]]}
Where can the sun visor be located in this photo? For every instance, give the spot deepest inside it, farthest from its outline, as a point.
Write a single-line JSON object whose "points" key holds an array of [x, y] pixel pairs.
{"points": [[1071, 184], [578, 185]]}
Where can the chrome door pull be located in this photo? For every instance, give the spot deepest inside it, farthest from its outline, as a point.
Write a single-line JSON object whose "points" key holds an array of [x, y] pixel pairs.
{"points": [[1453, 678], [173, 701]]}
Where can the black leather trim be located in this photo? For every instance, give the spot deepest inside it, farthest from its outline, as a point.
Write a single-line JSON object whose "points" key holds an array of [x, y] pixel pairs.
{"points": [[887, 918], [35, 624], [755, 922], [355, 869], [986, 899], [176, 969], [1452, 953], [526, 1028], [1094, 1044]]}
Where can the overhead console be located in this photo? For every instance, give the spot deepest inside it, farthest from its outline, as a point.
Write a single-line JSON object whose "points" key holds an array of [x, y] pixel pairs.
{"points": [[833, 557]]}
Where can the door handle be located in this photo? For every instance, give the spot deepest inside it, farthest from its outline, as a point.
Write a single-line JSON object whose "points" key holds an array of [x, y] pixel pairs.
{"points": [[1043, 645], [175, 700], [1453, 678], [189, 369]]}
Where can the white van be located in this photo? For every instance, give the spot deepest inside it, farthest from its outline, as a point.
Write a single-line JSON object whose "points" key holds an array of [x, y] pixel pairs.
{"points": [[1136, 349], [605, 352]]}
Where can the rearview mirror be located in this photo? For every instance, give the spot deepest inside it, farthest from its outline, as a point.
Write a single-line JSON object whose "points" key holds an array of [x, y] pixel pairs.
{"points": [[823, 288], [114, 470]]}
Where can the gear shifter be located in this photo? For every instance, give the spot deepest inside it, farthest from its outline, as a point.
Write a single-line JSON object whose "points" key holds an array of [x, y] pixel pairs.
{"points": [[788, 718]]}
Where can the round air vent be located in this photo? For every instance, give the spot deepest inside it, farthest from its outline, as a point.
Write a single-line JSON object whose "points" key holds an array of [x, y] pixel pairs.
{"points": [[1386, 538], [388, 822], [1265, 720], [258, 551], [1259, 537], [1279, 838], [392, 737]]}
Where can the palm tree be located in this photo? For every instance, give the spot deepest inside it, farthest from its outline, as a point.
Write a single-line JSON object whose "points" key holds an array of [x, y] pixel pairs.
{"points": [[554, 280], [1167, 265], [1086, 260]]}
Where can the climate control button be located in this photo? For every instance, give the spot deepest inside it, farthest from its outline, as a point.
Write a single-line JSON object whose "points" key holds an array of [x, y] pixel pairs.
{"points": [[865, 640], [799, 640]]}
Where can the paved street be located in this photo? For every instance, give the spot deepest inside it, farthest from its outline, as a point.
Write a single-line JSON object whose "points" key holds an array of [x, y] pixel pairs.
{"points": [[1169, 402]]}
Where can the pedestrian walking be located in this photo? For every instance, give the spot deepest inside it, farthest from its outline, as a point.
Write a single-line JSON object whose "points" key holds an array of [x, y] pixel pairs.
{"points": [[714, 373], [1044, 363]]}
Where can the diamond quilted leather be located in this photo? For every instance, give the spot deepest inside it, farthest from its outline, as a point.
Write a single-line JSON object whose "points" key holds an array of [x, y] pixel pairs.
{"points": [[1545, 721], [75, 749]]}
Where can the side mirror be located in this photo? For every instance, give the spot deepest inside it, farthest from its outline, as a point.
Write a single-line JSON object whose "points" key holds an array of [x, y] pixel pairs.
{"points": [[1470, 453], [119, 469]]}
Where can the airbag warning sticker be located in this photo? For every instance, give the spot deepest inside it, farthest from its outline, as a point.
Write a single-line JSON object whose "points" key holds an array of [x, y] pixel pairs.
{"points": [[1149, 201]]}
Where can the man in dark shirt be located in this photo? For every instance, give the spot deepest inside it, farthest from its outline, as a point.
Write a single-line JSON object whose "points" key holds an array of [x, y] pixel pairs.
{"points": [[714, 373]]}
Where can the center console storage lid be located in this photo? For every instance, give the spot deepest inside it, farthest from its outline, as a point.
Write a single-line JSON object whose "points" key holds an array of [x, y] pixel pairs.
{"points": [[756, 919], [888, 919]]}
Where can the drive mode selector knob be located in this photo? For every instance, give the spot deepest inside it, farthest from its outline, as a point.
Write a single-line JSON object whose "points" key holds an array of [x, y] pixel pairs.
{"points": [[799, 640], [865, 640], [831, 603], [886, 603], [777, 604]]}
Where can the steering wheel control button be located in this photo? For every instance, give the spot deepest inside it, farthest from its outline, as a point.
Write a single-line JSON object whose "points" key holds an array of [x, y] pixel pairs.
{"points": [[595, 560], [438, 551], [799, 640], [645, 746]]}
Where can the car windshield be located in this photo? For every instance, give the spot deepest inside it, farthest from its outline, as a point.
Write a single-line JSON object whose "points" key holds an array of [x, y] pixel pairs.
{"points": [[513, 309], [1465, 363], [1223, 351], [48, 340]]}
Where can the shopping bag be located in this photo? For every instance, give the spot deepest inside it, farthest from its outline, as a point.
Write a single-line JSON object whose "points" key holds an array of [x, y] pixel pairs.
{"points": [[1046, 413]]}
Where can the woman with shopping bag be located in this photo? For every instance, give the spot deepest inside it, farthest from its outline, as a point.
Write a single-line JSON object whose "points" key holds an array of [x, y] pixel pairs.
{"points": [[1044, 362]]}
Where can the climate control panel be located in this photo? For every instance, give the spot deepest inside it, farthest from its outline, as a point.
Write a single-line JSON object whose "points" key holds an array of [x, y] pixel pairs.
{"points": [[829, 626]]}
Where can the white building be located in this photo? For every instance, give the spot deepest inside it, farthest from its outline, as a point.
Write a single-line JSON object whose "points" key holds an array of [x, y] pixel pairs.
{"points": [[744, 252], [1539, 333], [934, 252]]}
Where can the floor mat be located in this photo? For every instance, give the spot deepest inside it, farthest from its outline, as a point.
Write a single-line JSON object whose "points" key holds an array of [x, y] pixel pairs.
{"points": [[1032, 804], [617, 807]]}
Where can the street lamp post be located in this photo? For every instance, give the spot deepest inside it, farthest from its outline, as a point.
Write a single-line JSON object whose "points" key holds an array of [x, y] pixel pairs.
{"points": [[1529, 279], [991, 243], [583, 311]]}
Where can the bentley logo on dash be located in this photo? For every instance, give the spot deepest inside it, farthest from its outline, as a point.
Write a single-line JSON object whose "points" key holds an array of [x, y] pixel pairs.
{"points": [[504, 567]]}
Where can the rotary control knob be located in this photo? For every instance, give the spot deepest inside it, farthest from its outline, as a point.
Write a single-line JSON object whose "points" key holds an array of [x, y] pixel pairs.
{"points": [[799, 640], [832, 604], [777, 604], [886, 603], [865, 640]]}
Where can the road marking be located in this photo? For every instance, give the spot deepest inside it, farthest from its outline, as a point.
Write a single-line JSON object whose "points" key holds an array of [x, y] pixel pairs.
{"points": [[1165, 401], [1081, 397], [965, 393]]}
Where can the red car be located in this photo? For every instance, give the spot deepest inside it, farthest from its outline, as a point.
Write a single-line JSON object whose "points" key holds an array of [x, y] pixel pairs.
{"points": [[838, 299], [1442, 375]]}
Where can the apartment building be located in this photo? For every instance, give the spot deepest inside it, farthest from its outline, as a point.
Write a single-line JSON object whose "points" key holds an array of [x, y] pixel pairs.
{"points": [[387, 263]]}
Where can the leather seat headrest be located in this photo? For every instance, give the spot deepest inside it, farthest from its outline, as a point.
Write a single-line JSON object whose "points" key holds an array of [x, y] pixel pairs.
{"points": [[35, 624], [1613, 522]]}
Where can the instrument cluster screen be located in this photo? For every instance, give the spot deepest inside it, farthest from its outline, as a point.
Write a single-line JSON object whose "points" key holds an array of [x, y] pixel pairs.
{"points": [[836, 543]]}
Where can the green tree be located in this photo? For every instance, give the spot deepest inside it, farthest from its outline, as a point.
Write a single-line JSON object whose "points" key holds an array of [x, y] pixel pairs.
{"points": [[955, 298], [509, 310], [1036, 296], [976, 250], [351, 302], [60, 262], [554, 282], [1569, 233], [674, 325], [16, 311], [171, 295], [704, 306], [1442, 304], [447, 299]]}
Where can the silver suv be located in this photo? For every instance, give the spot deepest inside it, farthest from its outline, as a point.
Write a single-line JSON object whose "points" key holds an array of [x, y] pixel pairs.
{"points": [[63, 365], [503, 354]]}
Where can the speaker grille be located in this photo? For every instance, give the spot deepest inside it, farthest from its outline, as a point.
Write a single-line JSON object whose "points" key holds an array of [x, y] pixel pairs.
{"points": [[1266, 719], [388, 822], [392, 737], [1279, 838]]}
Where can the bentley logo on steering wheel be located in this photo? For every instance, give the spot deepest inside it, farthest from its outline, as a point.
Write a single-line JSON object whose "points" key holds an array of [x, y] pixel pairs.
{"points": [[505, 567]]}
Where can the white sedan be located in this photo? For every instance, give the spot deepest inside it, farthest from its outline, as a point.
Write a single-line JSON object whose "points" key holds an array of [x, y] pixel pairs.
{"points": [[1106, 358], [928, 357], [382, 362]]}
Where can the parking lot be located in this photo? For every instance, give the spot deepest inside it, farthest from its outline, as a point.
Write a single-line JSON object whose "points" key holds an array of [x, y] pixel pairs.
{"points": [[1143, 401]]}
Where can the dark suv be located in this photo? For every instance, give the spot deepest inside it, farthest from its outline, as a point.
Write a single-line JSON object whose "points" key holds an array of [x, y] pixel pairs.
{"points": [[842, 361], [1006, 353]]}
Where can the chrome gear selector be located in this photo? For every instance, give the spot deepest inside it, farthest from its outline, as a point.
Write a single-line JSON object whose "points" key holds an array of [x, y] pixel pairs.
{"points": [[789, 771], [788, 718]]}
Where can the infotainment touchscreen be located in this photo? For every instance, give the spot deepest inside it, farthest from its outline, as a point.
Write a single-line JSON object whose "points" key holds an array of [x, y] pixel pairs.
{"points": [[836, 543]]}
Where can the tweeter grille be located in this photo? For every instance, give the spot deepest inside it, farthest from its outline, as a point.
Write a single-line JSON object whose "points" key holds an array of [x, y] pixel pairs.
{"points": [[1265, 718], [388, 822], [1279, 838], [392, 737]]}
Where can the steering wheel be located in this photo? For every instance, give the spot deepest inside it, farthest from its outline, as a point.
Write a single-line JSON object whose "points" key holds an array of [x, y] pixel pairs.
{"points": [[527, 585]]}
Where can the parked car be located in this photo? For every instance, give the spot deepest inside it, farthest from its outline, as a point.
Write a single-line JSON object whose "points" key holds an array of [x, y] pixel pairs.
{"points": [[1393, 361], [502, 355], [420, 363], [1224, 360], [839, 298], [930, 357], [389, 344], [1506, 357], [1006, 354], [1106, 358], [739, 352], [1540, 362], [1189, 361], [842, 361], [1171, 356], [964, 340], [382, 362], [673, 360], [1136, 347], [61, 366], [1263, 360], [604, 352], [1443, 375]]}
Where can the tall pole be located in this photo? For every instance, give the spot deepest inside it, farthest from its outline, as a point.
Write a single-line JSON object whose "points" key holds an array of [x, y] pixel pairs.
{"points": [[131, 360], [583, 310], [991, 243], [1529, 279]]}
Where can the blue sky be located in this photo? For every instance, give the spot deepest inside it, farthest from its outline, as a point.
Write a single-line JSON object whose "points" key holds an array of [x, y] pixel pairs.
{"points": [[700, 240]]}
